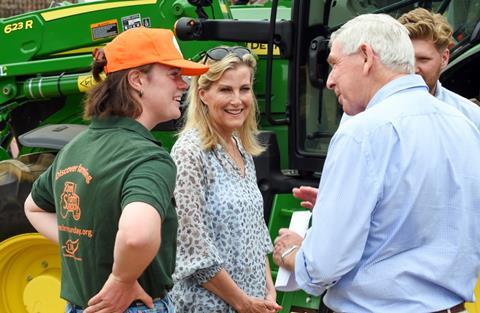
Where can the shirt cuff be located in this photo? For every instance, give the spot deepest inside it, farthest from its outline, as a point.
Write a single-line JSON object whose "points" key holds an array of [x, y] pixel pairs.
{"points": [[304, 279]]}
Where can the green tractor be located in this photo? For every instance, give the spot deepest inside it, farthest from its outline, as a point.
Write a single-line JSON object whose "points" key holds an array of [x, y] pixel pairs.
{"points": [[45, 57]]}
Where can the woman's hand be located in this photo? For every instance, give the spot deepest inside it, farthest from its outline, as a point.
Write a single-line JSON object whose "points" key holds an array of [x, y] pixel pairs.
{"points": [[255, 305], [271, 295], [270, 292]]}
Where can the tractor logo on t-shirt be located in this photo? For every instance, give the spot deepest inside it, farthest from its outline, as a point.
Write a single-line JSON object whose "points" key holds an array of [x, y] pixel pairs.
{"points": [[70, 201], [71, 248]]}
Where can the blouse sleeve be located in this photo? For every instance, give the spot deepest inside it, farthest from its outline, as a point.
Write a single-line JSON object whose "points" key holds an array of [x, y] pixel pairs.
{"points": [[197, 256]]}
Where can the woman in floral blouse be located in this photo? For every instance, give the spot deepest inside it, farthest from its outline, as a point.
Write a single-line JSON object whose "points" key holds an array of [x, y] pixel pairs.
{"points": [[223, 242]]}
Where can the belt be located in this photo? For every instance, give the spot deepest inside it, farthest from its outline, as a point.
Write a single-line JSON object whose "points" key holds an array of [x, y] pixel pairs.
{"points": [[454, 309]]}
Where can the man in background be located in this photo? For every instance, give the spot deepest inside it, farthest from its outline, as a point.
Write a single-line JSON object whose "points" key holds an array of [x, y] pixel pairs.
{"points": [[431, 37]]}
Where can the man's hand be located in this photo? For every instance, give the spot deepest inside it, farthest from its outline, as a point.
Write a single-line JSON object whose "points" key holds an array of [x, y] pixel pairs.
{"points": [[286, 240], [307, 194], [116, 296]]}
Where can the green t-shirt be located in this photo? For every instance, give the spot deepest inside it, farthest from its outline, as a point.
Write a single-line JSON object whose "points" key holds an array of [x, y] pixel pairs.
{"points": [[115, 162]]}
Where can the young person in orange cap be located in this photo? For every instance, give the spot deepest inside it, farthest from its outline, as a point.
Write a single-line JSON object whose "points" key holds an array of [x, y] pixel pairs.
{"points": [[107, 198]]}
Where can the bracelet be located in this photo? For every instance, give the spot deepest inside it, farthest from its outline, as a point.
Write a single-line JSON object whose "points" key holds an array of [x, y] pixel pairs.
{"points": [[287, 252]]}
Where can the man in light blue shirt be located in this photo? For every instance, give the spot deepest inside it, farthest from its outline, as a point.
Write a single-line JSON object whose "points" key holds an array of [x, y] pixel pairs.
{"points": [[395, 222]]}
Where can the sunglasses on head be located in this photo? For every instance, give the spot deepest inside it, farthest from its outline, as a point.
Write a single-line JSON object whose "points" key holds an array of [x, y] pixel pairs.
{"points": [[219, 53]]}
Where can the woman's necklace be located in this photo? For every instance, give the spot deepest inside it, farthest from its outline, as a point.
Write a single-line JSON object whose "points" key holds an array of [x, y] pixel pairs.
{"points": [[234, 157]]}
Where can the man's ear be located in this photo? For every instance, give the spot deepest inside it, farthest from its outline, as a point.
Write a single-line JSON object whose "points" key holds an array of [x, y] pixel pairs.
{"points": [[368, 56], [445, 57], [135, 79]]}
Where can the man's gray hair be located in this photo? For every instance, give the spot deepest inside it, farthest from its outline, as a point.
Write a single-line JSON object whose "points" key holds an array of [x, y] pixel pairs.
{"points": [[386, 36]]}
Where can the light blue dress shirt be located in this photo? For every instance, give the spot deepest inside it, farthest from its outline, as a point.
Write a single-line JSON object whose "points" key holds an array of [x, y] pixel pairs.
{"points": [[396, 224], [467, 107]]}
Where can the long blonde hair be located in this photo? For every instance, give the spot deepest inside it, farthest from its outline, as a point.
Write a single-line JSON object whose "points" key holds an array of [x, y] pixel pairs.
{"points": [[197, 116]]}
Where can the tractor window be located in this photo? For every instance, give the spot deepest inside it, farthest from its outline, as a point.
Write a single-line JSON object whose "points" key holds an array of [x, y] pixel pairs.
{"points": [[464, 16]]}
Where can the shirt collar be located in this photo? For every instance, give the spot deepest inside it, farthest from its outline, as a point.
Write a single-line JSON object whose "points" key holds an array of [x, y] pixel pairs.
{"points": [[124, 123], [396, 85], [438, 89]]}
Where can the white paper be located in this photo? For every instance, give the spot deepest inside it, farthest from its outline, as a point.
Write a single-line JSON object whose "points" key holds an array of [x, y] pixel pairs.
{"points": [[299, 223]]}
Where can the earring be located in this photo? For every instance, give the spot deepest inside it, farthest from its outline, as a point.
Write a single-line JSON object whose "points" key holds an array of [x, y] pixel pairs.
{"points": [[140, 93]]}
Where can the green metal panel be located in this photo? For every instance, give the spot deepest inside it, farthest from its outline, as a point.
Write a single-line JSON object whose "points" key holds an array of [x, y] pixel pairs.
{"points": [[282, 209], [3, 154], [283, 206], [279, 84], [8, 89], [63, 64], [67, 28], [21, 37], [299, 301], [167, 138]]}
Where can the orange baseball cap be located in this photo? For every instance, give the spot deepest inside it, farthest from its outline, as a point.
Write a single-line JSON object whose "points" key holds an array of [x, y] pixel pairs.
{"points": [[140, 46]]}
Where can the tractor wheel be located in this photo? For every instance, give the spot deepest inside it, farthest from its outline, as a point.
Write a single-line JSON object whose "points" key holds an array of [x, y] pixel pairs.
{"points": [[30, 275]]}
